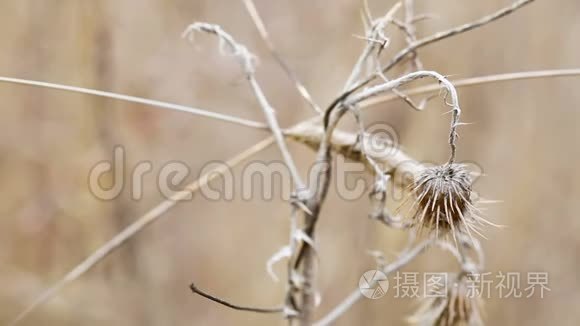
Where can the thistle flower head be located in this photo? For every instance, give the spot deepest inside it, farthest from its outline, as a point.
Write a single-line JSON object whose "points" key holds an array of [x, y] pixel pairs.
{"points": [[457, 307], [443, 201]]}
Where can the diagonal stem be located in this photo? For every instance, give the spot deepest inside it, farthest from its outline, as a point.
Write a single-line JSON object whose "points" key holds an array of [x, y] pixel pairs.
{"points": [[140, 100]]}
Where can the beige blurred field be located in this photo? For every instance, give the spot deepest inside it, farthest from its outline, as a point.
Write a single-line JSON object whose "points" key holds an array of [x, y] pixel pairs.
{"points": [[525, 136]]}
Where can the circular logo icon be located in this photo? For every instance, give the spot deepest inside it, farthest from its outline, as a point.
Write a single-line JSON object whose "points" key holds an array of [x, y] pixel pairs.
{"points": [[380, 140], [373, 284]]}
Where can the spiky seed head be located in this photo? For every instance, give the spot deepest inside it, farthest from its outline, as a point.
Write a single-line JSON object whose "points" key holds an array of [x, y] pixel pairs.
{"points": [[457, 307], [443, 200]]}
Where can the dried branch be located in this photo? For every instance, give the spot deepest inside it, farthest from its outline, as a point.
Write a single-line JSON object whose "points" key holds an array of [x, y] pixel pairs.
{"points": [[346, 144], [206, 295], [390, 85], [247, 61], [377, 42], [454, 31], [307, 239], [305, 259], [331, 119], [475, 81], [305, 264], [253, 12], [140, 100], [433, 39], [458, 83], [374, 37], [404, 259], [410, 30]]}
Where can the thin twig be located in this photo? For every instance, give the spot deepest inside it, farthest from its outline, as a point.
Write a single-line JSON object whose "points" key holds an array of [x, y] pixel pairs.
{"points": [[458, 83], [432, 39], [395, 83], [396, 91], [474, 81], [305, 263], [247, 61], [259, 23], [410, 32], [455, 31], [140, 100], [356, 295], [137, 226], [206, 295], [246, 58], [373, 36]]}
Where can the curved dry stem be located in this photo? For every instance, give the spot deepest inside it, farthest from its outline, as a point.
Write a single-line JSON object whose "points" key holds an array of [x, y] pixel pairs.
{"points": [[454, 31], [474, 81], [247, 60], [433, 39], [374, 38], [228, 304], [395, 83]]}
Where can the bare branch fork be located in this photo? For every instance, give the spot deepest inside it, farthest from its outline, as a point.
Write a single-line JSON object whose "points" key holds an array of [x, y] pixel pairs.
{"points": [[432, 39], [326, 140], [247, 60]]}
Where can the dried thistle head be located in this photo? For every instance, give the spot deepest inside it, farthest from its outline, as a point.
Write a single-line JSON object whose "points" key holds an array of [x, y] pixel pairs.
{"points": [[443, 201], [457, 307]]}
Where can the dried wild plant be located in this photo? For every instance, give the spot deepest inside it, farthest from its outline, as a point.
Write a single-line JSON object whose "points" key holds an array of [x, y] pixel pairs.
{"points": [[442, 195]]}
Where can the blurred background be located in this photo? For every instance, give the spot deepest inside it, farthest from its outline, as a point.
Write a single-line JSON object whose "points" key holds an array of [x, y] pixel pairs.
{"points": [[524, 136]]}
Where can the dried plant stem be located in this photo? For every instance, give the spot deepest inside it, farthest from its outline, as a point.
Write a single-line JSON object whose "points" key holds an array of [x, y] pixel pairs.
{"points": [[405, 258], [305, 262], [247, 62], [137, 226], [382, 98], [140, 100], [410, 31], [395, 83], [474, 81], [433, 39], [373, 40], [213, 298], [278, 135], [346, 144], [454, 31], [257, 20]]}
